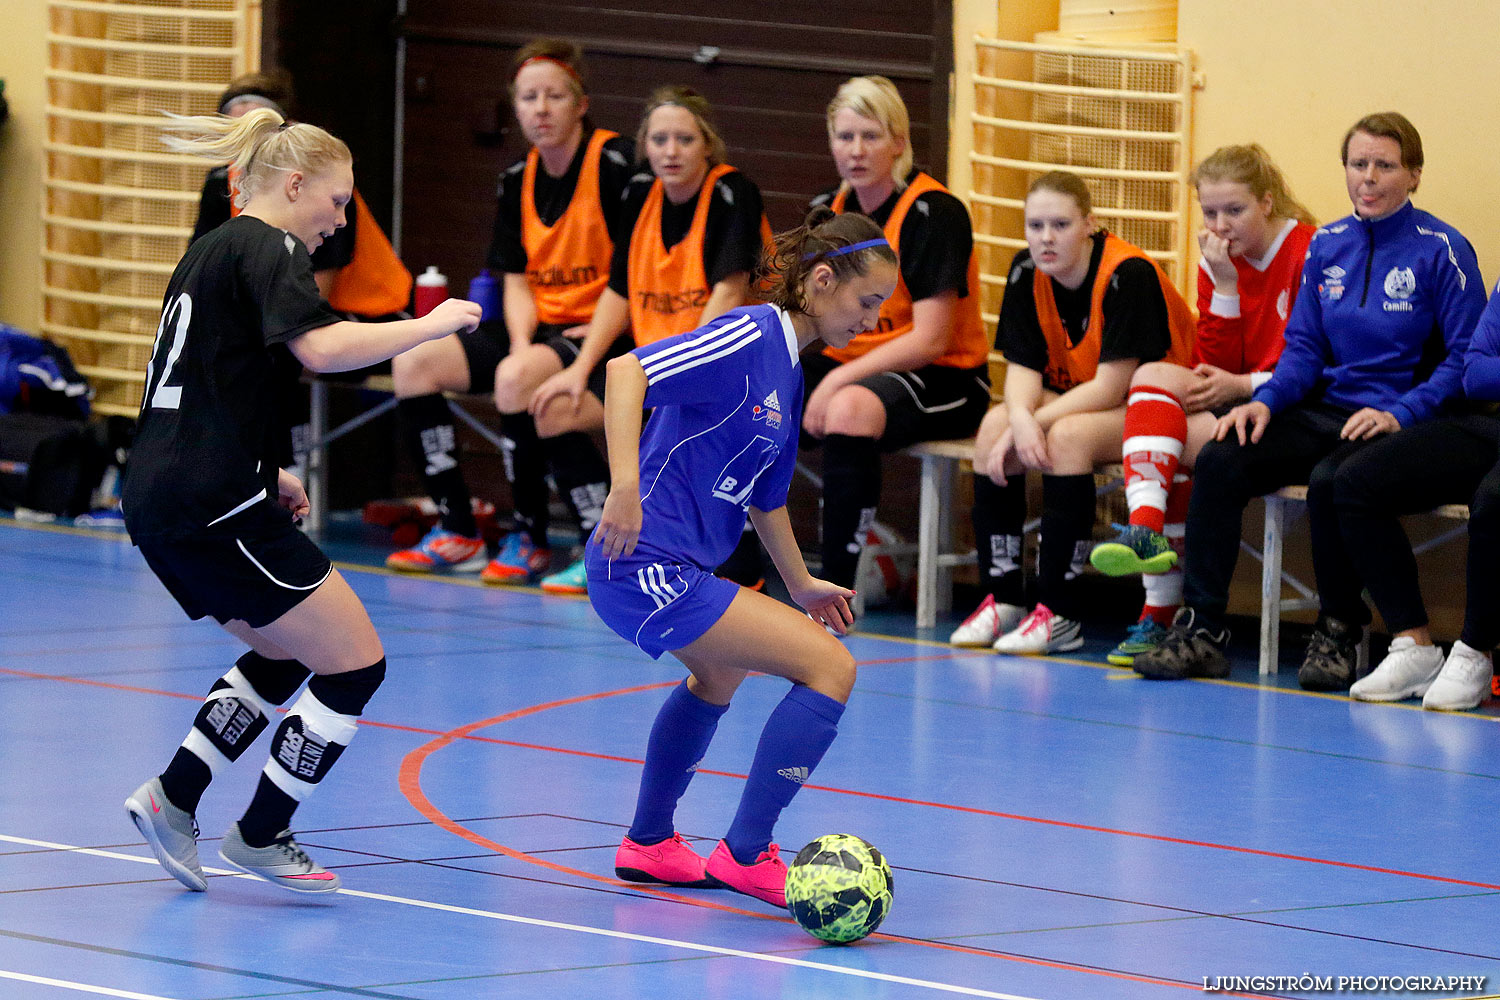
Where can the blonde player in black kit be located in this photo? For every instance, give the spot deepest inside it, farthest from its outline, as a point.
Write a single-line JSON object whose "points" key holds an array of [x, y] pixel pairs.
{"points": [[215, 518]]}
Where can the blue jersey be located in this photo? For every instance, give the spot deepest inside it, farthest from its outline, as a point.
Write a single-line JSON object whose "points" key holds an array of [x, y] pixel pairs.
{"points": [[1482, 362], [1383, 319], [727, 404]]}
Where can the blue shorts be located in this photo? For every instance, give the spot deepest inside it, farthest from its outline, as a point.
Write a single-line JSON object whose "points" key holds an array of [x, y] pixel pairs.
{"points": [[658, 605]]}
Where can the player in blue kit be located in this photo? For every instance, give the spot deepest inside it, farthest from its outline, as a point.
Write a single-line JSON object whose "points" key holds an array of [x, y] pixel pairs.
{"points": [[721, 443]]}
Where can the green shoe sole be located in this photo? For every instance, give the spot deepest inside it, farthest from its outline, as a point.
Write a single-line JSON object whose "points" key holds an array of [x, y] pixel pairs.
{"points": [[1114, 559]]}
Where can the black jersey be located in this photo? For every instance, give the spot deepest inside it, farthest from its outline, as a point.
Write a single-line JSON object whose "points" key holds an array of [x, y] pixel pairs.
{"points": [[1135, 313], [206, 447], [937, 240], [214, 210], [731, 241], [553, 196]]}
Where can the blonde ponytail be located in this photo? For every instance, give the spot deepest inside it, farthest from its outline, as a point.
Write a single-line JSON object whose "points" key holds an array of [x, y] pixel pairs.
{"points": [[255, 145]]}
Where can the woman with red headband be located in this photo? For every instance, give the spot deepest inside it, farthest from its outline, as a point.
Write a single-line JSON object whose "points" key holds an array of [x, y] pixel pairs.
{"points": [[555, 228]]}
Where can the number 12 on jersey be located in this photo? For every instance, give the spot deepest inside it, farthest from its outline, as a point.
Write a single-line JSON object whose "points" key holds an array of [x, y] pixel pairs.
{"points": [[161, 394]]}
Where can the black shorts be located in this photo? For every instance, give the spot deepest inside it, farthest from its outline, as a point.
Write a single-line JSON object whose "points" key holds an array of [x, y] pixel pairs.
{"points": [[255, 579], [933, 403], [487, 346]]}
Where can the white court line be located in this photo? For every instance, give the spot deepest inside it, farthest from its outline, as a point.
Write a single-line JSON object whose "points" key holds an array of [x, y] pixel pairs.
{"points": [[555, 925], [80, 987]]}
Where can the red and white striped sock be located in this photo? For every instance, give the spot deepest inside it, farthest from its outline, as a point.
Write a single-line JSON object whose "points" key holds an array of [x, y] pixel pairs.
{"points": [[1155, 430]]}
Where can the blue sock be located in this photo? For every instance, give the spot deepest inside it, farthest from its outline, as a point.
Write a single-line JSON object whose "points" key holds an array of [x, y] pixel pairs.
{"points": [[796, 736], [679, 738]]}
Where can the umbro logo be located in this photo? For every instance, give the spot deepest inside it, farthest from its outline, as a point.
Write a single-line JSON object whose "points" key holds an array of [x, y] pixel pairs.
{"points": [[797, 774]]}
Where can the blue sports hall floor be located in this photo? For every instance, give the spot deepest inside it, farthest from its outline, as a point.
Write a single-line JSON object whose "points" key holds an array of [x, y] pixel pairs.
{"points": [[1058, 829]]}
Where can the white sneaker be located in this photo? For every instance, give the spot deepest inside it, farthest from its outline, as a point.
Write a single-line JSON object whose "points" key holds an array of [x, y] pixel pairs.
{"points": [[989, 622], [1041, 632], [1464, 682], [1407, 671]]}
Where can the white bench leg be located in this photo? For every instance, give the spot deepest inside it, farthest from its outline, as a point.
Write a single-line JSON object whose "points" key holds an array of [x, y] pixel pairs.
{"points": [[317, 456], [1270, 586], [930, 503]]}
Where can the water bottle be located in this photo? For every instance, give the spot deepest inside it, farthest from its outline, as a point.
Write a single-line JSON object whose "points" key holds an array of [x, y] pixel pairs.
{"points": [[432, 288], [485, 290]]}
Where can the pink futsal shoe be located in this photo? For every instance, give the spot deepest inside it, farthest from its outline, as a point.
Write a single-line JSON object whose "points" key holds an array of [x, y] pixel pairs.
{"points": [[765, 879], [671, 862]]}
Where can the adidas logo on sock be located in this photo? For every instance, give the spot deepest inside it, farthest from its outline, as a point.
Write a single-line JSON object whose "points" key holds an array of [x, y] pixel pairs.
{"points": [[797, 774]]}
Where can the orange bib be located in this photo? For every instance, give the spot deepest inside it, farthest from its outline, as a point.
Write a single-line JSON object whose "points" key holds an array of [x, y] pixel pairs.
{"points": [[567, 263], [968, 346], [1069, 365], [669, 288]]}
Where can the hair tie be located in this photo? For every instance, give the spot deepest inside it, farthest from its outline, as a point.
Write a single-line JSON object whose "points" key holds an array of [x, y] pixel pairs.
{"points": [[851, 248], [554, 61]]}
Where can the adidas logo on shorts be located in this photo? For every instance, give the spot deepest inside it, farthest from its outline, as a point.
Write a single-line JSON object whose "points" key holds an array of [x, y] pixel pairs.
{"points": [[797, 774]]}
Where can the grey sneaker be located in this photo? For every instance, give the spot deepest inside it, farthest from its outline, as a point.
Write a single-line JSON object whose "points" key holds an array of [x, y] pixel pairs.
{"points": [[171, 833], [283, 863]]}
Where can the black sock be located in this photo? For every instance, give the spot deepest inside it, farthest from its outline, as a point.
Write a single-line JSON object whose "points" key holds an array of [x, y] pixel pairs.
{"points": [[528, 476], [581, 475], [1067, 528], [307, 744], [999, 518], [230, 720], [433, 440], [851, 491]]}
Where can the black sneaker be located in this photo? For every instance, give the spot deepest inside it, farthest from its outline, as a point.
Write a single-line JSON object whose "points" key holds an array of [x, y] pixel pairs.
{"points": [[1331, 651], [1188, 650]]}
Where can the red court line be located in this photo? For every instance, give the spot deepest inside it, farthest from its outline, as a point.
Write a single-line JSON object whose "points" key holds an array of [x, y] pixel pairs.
{"points": [[466, 733], [410, 781]]}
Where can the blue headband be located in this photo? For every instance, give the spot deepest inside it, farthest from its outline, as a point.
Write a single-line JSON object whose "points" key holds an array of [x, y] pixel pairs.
{"points": [[851, 248]]}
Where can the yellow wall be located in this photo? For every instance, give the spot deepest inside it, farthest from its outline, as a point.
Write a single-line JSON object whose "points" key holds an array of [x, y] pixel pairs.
{"points": [[1293, 75], [22, 65]]}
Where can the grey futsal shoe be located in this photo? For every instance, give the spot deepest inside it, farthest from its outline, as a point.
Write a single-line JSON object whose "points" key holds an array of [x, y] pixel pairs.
{"points": [[172, 833], [284, 863]]}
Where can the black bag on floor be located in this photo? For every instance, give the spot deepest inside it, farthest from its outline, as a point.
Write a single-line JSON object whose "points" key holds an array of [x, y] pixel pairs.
{"points": [[48, 463]]}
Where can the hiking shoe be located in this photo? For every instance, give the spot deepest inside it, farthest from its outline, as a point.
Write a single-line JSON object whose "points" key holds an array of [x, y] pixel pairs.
{"points": [[1189, 649], [1407, 671], [1328, 664], [765, 879], [284, 863], [518, 561], [573, 580], [172, 833], [1462, 683], [1136, 549], [989, 622], [1142, 637], [440, 549], [671, 862]]}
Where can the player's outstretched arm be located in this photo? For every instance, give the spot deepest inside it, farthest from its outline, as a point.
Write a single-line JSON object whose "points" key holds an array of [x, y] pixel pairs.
{"points": [[624, 398], [827, 603], [344, 346]]}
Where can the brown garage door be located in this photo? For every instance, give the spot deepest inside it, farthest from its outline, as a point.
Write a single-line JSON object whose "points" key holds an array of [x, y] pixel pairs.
{"points": [[769, 77]]}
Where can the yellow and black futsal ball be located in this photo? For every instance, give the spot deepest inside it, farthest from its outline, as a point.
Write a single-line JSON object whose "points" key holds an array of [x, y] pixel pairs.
{"points": [[839, 888]]}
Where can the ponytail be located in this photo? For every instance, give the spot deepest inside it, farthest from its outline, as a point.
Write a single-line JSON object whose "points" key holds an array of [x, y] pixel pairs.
{"points": [[254, 145], [823, 238]]}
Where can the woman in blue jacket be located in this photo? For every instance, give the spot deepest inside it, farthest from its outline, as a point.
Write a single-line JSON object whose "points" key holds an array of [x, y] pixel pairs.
{"points": [[1375, 343], [1455, 460]]}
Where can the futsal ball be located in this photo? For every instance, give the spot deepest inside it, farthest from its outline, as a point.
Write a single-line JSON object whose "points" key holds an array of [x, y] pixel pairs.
{"points": [[839, 888], [882, 578]]}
